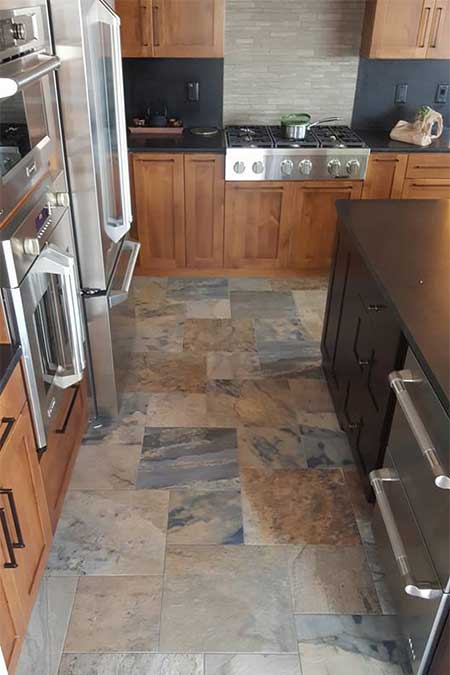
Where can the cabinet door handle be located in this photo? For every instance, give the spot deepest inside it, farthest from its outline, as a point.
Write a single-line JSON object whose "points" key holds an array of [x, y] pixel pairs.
{"points": [[144, 24], [436, 26], [375, 308], [12, 505], [423, 26], [12, 563], [155, 11], [9, 423]]}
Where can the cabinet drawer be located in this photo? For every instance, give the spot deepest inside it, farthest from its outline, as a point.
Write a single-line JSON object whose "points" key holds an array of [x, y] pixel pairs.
{"points": [[426, 188], [428, 166], [13, 397]]}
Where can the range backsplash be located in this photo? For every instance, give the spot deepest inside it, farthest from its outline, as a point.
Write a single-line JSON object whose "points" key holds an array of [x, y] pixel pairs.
{"points": [[375, 90], [158, 82]]}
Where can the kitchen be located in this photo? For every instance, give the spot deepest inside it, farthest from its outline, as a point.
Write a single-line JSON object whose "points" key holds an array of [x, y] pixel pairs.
{"points": [[262, 360]]}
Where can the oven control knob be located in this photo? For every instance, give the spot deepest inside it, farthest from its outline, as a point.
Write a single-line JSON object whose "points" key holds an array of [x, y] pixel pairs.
{"points": [[305, 167], [353, 167], [239, 167], [31, 246], [287, 167], [258, 167], [334, 167], [18, 31], [58, 199]]}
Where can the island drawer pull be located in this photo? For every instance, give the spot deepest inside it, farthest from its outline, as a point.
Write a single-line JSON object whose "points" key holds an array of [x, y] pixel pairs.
{"points": [[12, 563], [9, 423], [12, 505], [375, 308]]}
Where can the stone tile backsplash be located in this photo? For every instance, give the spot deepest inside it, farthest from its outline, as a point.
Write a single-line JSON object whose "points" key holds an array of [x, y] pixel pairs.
{"points": [[286, 56]]}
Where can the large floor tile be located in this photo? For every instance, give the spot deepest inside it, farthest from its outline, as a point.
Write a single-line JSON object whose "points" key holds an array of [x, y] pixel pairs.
{"points": [[249, 284], [263, 400], [317, 282], [289, 359], [233, 366], [208, 309], [278, 330], [200, 288], [106, 467], [187, 457], [162, 309], [220, 335], [262, 304], [325, 448], [115, 614], [110, 532], [158, 372], [177, 409], [132, 664], [252, 664], [205, 517], [148, 290], [333, 580], [163, 334], [126, 429], [371, 644], [269, 448], [300, 506], [227, 599], [311, 395], [44, 640]]}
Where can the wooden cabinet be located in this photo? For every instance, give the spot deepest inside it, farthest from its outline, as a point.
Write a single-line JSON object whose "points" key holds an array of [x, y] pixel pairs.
{"points": [[12, 622], [406, 29], [204, 201], [172, 28], [385, 176], [4, 334], [159, 210], [63, 442], [427, 177]]}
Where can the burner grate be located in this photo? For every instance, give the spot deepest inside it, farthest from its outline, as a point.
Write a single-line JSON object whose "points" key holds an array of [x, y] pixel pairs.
{"points": [[248, 137], [310, 140], [338, 136]]}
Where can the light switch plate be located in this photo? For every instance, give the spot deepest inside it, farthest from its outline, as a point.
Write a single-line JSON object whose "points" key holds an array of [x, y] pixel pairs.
{"points": [[401, 93], [441, 93]]}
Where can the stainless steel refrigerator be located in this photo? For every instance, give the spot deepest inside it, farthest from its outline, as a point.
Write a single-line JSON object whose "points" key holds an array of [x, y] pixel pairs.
{"points": [[87, 40]]}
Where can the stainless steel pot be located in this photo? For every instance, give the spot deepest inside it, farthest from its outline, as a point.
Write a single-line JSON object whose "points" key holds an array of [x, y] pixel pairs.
{"points": [[296, 125]]}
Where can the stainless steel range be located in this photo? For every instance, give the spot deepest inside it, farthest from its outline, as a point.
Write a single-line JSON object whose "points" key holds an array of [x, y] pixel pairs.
{"points": [[263, 153]]}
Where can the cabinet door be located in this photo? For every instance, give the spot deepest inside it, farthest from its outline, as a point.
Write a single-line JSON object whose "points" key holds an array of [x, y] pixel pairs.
{"points": [[20, 476], [204, 194], [397, 29], [12, 625], [385, 176], [439, 44], [188, 28], [313, 220], [159, 210], [426, 188], [256, 225], [136, 28]]}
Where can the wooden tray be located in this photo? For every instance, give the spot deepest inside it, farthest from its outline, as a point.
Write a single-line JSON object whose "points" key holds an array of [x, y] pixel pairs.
{"points": [[156, 131]]}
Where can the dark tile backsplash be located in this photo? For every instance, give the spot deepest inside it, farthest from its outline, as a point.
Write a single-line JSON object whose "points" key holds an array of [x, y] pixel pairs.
{"points": [[163, 82], [375, 90]]}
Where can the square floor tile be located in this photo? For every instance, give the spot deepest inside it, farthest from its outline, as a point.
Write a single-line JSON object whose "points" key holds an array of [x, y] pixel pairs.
{"points": [[208, 309], [266, 400], [311, 395], [269, 448], [289, 359], [177, 409], [232, 366], [325, 448], [220, 335], [200, 288], [106, 467], [127, 428], [187, 457], [158, 372], [132, 664], [163, 334], [110, 532], [262, 305], [252, 664], [115, 614], [162, 309], [205, 517], [333, 580], [227, 599], [148, 290], [301, 506], [44, 640], [351, 643]]}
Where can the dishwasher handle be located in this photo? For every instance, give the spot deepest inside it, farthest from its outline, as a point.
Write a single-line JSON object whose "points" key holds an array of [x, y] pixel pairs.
{"points": [[397, 380], [417, 589]]}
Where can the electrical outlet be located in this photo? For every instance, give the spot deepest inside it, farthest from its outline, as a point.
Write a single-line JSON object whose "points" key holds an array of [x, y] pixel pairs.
{"points": [[441, 93], [193, 91], [401, 93]]}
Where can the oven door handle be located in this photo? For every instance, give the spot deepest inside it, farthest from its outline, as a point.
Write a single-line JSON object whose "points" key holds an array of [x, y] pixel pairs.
{"points": [[117, 297], [417, 589], [21, 78], [54, 261], [397, 380]]}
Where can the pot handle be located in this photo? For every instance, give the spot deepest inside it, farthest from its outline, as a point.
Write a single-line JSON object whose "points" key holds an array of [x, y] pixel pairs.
{"points": [[326, 119]]}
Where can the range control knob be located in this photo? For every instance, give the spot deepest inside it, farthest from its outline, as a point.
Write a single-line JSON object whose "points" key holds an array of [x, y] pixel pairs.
{"points": [[305, 167], [287, 167], [31, 246], [58, 199], [353, 167], [239, 167], [258, 167], [18, 31], [334, 167]]}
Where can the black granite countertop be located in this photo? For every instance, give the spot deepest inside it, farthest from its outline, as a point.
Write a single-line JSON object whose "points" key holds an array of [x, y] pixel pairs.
{"points": [[406, 246], [185, 142], [9, 358], [379, 141]]}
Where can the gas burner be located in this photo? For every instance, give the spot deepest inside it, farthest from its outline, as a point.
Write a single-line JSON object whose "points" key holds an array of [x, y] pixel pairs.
{"points": [[248, 137], [338, 136], [280, 141]]}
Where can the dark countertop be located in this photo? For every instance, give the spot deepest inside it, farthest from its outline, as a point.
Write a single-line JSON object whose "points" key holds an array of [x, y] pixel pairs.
{"points": [[379, 141], [185, 142], [9, 358], [406, 246]]}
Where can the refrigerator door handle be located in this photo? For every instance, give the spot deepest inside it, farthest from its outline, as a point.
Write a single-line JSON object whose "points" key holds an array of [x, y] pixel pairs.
{"points": [[117, 297], [21, 78], [417, 589], [397, 380]]}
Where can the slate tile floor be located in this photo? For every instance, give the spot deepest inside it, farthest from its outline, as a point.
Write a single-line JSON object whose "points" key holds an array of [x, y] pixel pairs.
{"points": [[217, 527]]}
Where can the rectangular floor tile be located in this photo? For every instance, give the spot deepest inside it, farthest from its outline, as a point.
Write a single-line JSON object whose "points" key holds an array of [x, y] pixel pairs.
{"points": [[163, 334], [318, 282], [177, 409], [106, 467], [110, 532], [289, 359], [263, 400], [209, 335], [333, 580], [205, 517], [158, 372], [269, 448], [249, 284], [325, 448], [115, 614], [208, 309], [200, 288], [278, 330], [233, 366], [252, 664], [311, 395], [302, 506], [127, 428], [183, 457], [227, 599], [262, 304], [132, 664]]}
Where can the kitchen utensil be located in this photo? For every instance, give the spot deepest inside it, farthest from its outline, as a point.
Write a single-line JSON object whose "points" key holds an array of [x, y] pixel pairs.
{"points": [[419, 132], [204, 131], [156, 118], [156, 131], [296, 125]]}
